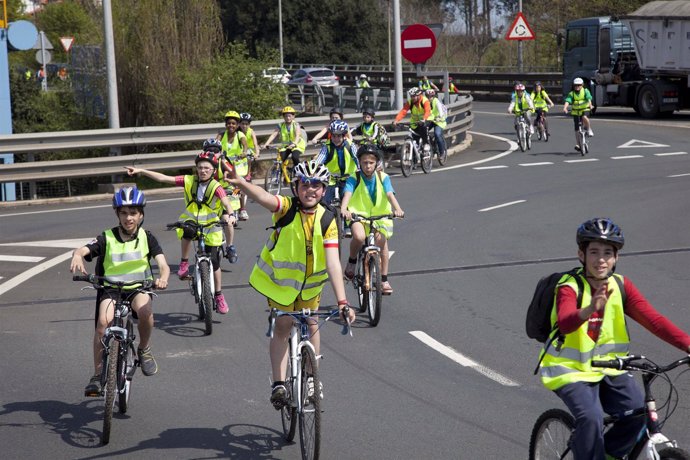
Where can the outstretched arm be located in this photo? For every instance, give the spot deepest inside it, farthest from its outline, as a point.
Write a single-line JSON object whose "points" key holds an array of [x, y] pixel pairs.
{"points": [[158, 177], [256, 193]]}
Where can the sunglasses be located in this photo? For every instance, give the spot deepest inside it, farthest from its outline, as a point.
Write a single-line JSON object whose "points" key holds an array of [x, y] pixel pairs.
{"points": [[310, 180]]}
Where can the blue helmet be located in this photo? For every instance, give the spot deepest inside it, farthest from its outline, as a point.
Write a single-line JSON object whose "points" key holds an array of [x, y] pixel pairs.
{"points": [[338, 127], [129, 196]]}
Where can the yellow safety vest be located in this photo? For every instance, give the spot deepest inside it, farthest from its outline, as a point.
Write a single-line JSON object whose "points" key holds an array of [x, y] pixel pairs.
{"points": [[128, 261], [333, 165], [416, 111], [580, 103], [539, 100], [571, 362], [438, 117], [362, 204], [250, 139], [520, 105], [288, 135], [233, 151], [425, 84], [280, 271], [208, 210]]}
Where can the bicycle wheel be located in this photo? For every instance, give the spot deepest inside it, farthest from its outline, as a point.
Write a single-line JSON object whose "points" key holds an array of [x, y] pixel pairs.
{"points": [[362, 296], [288, 412], [581, 141], [310, 416], [441, 157], [375, 296], [197, 298], [585, 145], [528, 140], [206, 294], [110, 390], [125, 369], [550, 436], [273, 179], [427, 161], [406, 158], [521, 138], [673, 453]]}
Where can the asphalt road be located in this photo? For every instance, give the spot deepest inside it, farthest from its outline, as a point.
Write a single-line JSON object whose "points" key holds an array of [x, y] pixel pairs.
{"points": [[477, 236]]}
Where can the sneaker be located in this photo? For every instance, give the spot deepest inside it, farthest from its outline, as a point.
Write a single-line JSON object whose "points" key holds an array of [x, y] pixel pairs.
{"points": [[93, 389], [147, 362], [183, 270], [349, 271], [310, 388], [231, 254], [243, 214], [577, 147], [221, 305], [279, 396], [590, 133], [386, 288]]}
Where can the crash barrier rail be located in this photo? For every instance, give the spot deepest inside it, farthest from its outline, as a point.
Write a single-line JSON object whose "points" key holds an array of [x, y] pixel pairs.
{"points": [[460, 120]]}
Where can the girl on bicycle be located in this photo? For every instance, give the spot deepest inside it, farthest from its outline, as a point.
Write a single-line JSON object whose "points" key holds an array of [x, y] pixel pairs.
{"points": [[291, 139], [370, 193], [235, 149], [124, 252], [597, 329], [254, 148], [304, 239], [541, 102], [205, 201]]}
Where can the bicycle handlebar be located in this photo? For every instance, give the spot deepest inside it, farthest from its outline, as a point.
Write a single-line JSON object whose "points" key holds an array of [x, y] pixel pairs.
{"points": [[197, 225], [631, 363], [275, 313], [358, 218], [99, 280]]}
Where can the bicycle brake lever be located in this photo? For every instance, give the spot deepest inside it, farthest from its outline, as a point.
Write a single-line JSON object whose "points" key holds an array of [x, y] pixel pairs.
{"points": [[347, 329]]}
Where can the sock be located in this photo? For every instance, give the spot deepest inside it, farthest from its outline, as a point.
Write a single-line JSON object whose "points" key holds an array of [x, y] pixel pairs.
{"points": [[351, 260], [384, 278], [184, 260], [218, 293], [278, 382]]}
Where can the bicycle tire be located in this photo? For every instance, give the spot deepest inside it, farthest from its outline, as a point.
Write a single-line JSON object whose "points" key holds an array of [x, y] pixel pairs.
{"points": [[288, 413], [375, 297], [310, 415], [110, 390], [406, 158], [550, 436], [521, 139], [528, 140], [427, 162], [273, 180], [585, 147], [124, 367], [197, 299], [206, 295], [673, 453], [359, 283]]}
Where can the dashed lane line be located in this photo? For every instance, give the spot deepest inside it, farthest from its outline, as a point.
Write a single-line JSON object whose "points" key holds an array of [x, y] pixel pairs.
{"points": [[4, 258], [502, 205], [668, 154], [539, 163], [480, 168], [581, 160], [462, 359], [627, 157]]}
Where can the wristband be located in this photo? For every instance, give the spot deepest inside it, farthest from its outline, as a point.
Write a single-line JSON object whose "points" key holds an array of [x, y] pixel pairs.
{"points": [[342, 302]]}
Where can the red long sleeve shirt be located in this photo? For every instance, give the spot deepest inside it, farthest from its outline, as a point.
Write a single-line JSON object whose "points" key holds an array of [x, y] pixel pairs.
{"points": [[636, 306]]}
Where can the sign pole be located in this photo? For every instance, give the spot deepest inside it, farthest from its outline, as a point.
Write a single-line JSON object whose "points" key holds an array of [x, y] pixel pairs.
{"points": [[44, 82], [520, 42], [398, 56]]}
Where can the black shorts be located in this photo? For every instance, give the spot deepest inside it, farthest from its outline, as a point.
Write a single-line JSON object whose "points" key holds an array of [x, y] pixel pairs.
{"points": [[111, 293], [214, 253]]}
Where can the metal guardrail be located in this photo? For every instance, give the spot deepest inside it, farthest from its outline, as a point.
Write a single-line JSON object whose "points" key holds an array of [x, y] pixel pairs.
{"points": [[460, 120]]}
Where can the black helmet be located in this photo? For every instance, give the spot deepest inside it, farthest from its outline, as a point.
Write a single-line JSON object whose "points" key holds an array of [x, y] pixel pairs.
{"points": [[369, 149], [600, 229], [337, 111], [369, 111]]}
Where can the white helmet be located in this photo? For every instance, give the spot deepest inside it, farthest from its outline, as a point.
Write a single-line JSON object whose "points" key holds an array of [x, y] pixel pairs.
{"points": [[311, 171], [578, 81], [363, 76]]}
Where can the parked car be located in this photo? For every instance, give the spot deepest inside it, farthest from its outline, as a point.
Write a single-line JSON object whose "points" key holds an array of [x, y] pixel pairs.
{"points": [[321, 76], [277, 74]]}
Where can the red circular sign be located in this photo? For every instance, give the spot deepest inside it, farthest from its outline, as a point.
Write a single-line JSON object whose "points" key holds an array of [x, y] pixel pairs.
{"points": [[418, 43]]}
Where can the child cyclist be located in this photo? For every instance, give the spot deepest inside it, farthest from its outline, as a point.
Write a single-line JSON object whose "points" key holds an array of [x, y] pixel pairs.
{"points": [[235, 150], [542, 102], [597, 329], [521, 104], [300, 242], [254, 148], [338, 155], [371, 131], [370, 193], [204, 203], [581, 101], [335, 114], [291, 140], [124, 253]]}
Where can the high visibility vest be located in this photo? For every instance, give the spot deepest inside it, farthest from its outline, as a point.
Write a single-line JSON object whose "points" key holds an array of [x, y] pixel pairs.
{"points": [[250, 139], [332, 163], [208, 210], [539, 100], [438, 113], [362, 204], [571, 362], [416, 111], [580, 103], [233, 151], [280, 273], [521, 105], [425, 84], [288, 135], [128, 261]]}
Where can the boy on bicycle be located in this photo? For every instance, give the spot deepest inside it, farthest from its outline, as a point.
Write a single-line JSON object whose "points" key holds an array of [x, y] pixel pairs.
{"points": [[370, 193], [420, 111], [439, 113], [334, 114], [205, 200], [372, 131], [235, 148], [597, 329], [300, 255], [542, 102], [338, 155], [581, 101], [124, 253], [521, 105], [291, 140]]}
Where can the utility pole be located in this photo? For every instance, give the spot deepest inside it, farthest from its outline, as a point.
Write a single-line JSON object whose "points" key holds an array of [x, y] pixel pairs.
{"points": [[398, 56], [520, 66], [280, 30]]}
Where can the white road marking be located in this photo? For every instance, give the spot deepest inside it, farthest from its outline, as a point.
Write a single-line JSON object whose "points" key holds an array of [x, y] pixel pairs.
{"points": [[581, 160], [390, 254], [20, 258], [636, 144], [502, 205], [13, 282], [627, 157], [680, 175], [80, 208], [69, 244], [463, 360], [669, 154], [480, 168], [540, 163]]}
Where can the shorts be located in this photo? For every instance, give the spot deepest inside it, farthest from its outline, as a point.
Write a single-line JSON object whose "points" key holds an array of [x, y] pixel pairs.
{"points": [[111, 293], [214, 253], [297, 305]]}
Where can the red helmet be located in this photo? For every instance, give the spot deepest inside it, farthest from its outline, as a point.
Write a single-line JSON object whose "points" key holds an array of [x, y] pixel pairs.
{"points": [[207, 156], [519, 87]]}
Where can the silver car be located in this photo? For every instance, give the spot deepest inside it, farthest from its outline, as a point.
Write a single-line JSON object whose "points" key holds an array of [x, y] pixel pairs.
{"points": [[321, 76]]}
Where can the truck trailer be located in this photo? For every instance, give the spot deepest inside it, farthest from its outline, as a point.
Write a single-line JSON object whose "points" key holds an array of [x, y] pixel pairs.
{"points": [[640, 60]]}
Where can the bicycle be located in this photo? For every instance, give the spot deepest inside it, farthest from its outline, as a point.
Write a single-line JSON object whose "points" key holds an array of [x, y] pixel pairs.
{"points": [[302, 380], [441, 158], [551, 434], [415, 151], [524, 137], [335, 204], [581, 136], [367, 278], [278, 174], [119, 358], [542, 132], [201, 281]]}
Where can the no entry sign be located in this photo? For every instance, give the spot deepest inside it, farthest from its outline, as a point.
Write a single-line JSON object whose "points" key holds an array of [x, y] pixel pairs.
{"points": [[418, 43]]}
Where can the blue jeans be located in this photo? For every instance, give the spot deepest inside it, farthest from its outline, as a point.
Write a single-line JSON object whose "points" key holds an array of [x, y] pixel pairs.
{"points": [[440, 141], [588, 402]]}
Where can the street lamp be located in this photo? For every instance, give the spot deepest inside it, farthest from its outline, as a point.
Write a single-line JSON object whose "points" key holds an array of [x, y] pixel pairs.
{"points": [[280, 30]]}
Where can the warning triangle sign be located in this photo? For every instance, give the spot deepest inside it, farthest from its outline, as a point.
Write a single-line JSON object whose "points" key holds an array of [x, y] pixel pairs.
{"points": [[66, 43], [520, 30]]}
